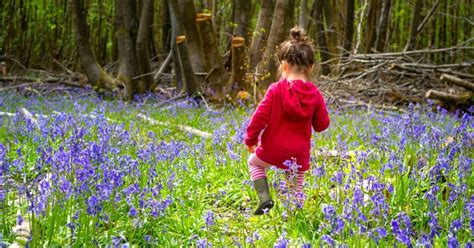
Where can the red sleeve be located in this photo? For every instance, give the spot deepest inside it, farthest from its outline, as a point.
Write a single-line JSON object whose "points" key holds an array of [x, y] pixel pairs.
{"points": [[320, 115], [260, 118]]}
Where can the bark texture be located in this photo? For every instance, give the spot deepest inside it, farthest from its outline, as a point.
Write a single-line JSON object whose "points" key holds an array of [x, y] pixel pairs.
{"points": [[96, 75], [143, 38], [262, 30], [281, 24]]}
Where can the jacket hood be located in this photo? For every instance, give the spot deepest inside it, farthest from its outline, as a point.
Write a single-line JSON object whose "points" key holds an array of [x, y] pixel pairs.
{"points": [[298, 98]]}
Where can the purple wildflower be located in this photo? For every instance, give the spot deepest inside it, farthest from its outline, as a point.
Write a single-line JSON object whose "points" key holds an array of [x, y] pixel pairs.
{"points": [[209, 218], [328, 240]]}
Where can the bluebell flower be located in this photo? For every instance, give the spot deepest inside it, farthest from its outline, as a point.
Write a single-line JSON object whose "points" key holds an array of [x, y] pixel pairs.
{"points": [[209, 218], [19, 219], [329, 212], [328, 240], [132, 212], [455, 226], [203, 243], [453, 241], [282, 242], [306, 245]]}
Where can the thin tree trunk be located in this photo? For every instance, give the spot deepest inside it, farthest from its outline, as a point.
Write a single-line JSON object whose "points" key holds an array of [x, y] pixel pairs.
{"points": [[331, 27], [176, 28], [443, 31], [454, 29], [262, 30], [165, 27], [187, 14], [143, 39], [282, 19], [348, 28], [372, 19], [96, 75], [183, 54], [383, 26], [359, 26], [192, 86], [303, 18], [415, 20], [242, 17], [320, 37]]}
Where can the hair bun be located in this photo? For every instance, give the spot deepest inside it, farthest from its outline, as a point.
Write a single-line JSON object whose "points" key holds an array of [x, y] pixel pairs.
{"points": [[298, 35]]}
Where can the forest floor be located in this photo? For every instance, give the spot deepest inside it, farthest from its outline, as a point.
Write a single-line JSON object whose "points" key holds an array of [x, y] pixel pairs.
{"points": [[83, 170], [344, 93]]}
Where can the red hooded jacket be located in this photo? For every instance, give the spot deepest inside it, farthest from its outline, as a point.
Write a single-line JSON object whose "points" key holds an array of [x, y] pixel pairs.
{"points": [[286, 115]]}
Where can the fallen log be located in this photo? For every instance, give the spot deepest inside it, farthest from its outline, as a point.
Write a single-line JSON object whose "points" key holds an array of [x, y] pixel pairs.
{"points": [[238, 65], [184, 128], [457, 81], [29, 116], [448, 98]]}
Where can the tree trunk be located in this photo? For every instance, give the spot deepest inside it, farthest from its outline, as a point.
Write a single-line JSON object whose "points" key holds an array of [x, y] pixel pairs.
{"points": [[383, 26], [239, 66], [192, 85], [372, 19], [176, 28], [165, 27], [415, 20], [262, 30], [143, 39], [348, 28], [242, 17], [331, 27], [217, 74], [281, 23], [187, 14], [320, 37], [303, 18], [126, 26], [96, 75]]}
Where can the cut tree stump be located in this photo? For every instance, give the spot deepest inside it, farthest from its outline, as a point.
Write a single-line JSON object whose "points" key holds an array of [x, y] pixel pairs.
{"points": [[457, 81], [452, 99], [217, 75], [239, 65], [192, 85]]}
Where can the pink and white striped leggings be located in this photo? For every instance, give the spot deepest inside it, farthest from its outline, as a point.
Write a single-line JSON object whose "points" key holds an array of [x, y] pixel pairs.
{"points": [[257, 169]]}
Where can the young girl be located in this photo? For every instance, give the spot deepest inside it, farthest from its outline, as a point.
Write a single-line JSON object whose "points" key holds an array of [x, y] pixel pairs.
{"points": [[286, 114]]}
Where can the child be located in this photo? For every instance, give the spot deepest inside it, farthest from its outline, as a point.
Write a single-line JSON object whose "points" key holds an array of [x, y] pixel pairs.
{"points": [[286, 114]]}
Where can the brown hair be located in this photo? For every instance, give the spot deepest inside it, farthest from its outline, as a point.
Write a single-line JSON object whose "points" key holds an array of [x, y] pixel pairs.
{"points": [[298, 51]]}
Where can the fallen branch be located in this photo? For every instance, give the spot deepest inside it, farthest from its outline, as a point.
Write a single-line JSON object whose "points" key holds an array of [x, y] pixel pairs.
{"points": [[429, 66], [29, 116], [457, 81], [29, 79], [184, 128], [7, 114], [163, 66], [412, 52], [370, 106], [60, 80]]}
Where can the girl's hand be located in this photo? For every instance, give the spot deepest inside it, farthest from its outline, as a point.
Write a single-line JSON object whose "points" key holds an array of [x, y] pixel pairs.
{"points": [[251, 149]]}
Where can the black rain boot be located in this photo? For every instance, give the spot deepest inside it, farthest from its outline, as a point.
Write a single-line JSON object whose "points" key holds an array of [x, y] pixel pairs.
{"points": [[265, 200]]}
